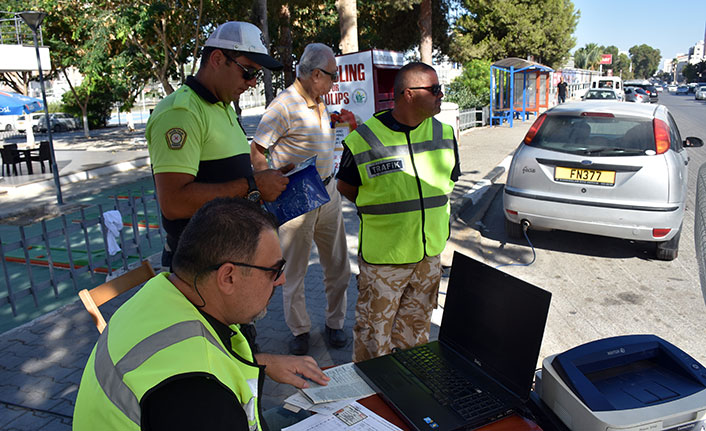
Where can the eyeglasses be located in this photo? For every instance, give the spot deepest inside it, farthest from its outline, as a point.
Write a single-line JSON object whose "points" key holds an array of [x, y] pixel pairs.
{"points": [[334, 75], [277, 270], [433, 89], [248, 72]]}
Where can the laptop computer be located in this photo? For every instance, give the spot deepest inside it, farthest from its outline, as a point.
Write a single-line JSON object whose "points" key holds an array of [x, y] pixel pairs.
{"points": [[489, 342]]}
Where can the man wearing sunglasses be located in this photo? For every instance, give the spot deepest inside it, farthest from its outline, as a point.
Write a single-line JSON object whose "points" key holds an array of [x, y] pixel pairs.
{"points": [[173, 357], [399, 168], [295, 127], [197, 146]]}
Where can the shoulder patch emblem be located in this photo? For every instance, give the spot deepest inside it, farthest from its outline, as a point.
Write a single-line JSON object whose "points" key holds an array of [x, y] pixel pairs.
{"points": [[176, 138]]}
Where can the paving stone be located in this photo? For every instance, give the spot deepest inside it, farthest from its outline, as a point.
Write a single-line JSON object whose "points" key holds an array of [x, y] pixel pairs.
{"points": [[59, 424], [65, 407], [9, 414], [32, 421]]}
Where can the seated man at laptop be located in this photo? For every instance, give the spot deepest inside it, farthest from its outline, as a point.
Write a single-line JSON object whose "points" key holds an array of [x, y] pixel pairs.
{"points": [[172, 357]]}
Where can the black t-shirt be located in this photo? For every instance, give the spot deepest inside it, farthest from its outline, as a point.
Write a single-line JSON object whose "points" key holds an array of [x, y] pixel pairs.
{"points": [[196, 401], [562, 88], [348, 170]]}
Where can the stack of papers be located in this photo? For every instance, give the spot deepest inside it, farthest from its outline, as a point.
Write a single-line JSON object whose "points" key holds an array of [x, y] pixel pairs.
{"points": [[353, 416], [335, 404]]}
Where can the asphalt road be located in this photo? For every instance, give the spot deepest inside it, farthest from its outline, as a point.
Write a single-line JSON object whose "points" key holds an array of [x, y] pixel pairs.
{"points": [[604, 287]]}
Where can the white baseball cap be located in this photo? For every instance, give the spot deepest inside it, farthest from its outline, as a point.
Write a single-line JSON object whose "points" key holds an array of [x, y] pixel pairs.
{"points": [[246, 38]]}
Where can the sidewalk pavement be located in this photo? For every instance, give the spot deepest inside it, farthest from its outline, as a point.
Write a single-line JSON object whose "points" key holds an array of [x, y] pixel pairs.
{"points": [[41, 362]]}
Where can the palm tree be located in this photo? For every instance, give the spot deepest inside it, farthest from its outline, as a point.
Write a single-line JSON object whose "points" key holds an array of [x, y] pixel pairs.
{"points": [[593, 55]]}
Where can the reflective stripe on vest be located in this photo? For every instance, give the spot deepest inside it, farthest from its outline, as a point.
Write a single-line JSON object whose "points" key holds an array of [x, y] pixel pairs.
{"points": [[379, 151], [402, 207], [110, 377]]}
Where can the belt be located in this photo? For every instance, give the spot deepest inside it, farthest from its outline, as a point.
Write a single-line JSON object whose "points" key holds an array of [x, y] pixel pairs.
{"points": [[327, 179]]}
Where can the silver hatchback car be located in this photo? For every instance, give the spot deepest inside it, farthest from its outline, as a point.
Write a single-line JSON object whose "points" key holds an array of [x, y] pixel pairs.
{"points": [[618, 170]]}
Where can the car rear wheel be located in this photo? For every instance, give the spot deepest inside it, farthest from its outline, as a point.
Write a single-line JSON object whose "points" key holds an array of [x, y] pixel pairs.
{"points": [[668, 250], [513, 230]]}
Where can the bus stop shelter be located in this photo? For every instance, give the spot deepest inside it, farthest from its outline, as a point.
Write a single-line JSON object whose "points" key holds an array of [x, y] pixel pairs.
{"points": [[517, 88]]}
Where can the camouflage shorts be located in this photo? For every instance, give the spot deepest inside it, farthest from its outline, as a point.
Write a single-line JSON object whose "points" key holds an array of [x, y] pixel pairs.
{"points": [[394, 306]]}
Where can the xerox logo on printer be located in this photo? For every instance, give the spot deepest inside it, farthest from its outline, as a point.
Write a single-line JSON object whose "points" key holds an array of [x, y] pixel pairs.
{"points": [[385, 167]]}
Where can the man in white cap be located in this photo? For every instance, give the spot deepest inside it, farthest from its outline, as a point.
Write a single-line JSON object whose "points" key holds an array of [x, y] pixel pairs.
{"points": [[197, 146]]}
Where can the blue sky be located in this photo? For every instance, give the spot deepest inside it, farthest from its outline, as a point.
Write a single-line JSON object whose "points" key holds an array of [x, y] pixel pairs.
{"points": [[670, 26]]}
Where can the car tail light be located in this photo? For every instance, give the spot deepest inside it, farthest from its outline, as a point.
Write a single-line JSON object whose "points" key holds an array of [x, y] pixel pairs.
{"points": [[660, 232], [511, 212], [534, 129], [662, 140]]}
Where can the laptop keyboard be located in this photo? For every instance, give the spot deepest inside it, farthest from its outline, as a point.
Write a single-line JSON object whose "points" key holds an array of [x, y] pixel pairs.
{"points": [[448, 387]]}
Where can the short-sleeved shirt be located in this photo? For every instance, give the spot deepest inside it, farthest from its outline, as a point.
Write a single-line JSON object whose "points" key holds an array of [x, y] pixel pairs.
{"points": [[192, 132], [295, 127]]}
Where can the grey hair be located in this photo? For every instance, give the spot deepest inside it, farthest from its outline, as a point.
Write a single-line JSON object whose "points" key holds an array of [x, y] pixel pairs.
{"points": [[315, 56]]}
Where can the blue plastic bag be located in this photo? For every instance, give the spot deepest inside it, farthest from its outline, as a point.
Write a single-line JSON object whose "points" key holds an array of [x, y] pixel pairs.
{"points": [[305, 192]]}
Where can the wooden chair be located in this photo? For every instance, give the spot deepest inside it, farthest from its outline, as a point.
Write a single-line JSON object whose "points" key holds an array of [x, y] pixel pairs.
{"points": [[99, 295]]}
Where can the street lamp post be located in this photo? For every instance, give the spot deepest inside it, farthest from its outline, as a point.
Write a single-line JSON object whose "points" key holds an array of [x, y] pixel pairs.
{"points": [[34, 21]]}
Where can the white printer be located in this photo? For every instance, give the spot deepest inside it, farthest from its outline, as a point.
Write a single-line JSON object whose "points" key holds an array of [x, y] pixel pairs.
{"points": [[626, 383]]}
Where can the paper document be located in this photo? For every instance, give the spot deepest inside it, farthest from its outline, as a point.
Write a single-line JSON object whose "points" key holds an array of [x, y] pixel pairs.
{"points": [[344, 383], [298, 401], [353, 416]]}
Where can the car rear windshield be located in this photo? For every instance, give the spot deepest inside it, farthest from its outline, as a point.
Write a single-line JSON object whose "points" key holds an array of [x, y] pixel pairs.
{"points": [[600, 95], [595, 135]]}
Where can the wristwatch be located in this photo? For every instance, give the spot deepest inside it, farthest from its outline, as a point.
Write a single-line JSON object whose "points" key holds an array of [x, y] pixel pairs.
{"points": [[253, 194]]}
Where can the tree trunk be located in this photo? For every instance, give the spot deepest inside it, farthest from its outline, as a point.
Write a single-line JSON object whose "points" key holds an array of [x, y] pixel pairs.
{"points": [[425, 29], [260, 18], [83, 106], [285, 44], [348, 19]]}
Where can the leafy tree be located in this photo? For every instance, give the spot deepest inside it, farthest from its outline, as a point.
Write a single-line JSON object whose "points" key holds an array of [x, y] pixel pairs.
{"points": [[645, 60], [588, 57], [381, 24], [695, 72], [472, 88], [540, 29], [621, 67], [99, 97]]}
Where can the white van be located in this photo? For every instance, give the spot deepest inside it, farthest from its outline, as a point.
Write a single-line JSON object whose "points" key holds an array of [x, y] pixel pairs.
{"points": [[614, 82]]}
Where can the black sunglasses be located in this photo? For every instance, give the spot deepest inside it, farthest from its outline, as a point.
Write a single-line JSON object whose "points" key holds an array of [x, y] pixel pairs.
{"points": [[334, 75], [248, 72], [434, 89], [277, 270]]}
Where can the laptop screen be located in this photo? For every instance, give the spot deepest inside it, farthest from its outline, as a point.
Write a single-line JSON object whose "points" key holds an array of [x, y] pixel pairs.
{"points": [[497, 320]]}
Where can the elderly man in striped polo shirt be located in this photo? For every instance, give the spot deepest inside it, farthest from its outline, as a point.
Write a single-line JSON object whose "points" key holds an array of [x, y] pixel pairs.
{"points": [[295, 127]]}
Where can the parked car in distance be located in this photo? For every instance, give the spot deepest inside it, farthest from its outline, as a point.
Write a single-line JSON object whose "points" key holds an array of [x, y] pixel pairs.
{"points": [[700, 93], [602, 94], [602, 168], [32, 119], [59, 121], [682, 89], [636, 94], [672, 88], [7, 122]]}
